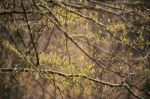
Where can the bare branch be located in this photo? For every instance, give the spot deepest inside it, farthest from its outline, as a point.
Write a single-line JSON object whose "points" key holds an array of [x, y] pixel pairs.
{"points": [[27, 70], [31, 36]]}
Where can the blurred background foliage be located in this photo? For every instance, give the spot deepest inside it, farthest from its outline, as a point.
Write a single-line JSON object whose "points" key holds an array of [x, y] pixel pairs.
{"points": [[74, 49]]}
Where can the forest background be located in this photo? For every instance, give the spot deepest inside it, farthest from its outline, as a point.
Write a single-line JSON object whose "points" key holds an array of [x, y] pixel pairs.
{"points": [[74, 49]]}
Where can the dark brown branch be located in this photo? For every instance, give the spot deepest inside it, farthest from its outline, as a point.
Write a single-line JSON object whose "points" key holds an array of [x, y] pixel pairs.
{"points": [[105, 4], [142, 90], [49, 38], [131, 91], [42, 71], [90, 8], [31, 36], [13, 12], [50, 14]]}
